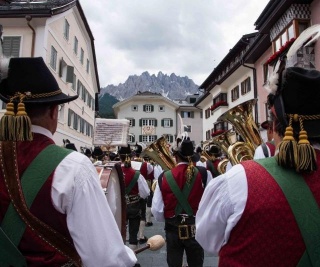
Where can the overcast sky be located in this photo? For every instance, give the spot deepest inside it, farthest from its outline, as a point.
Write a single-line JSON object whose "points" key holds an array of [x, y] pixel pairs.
{"points": [[185, 37]]}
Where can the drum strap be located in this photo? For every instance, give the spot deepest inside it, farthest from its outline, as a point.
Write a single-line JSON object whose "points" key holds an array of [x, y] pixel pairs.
{"points": [[182, 196], [22, 193], [303, 206], [132, 182]]}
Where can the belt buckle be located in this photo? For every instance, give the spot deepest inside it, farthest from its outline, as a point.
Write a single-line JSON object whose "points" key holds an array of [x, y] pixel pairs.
{"points": [[183, 231]]}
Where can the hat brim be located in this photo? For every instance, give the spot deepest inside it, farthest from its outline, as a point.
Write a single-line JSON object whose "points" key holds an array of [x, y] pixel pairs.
{"points": [[194, 157], [57, 99]]}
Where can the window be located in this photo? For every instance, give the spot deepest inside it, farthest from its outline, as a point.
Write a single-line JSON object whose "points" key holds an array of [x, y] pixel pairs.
{"points": [[220, 98], [208, 135], [161, 108], [81, 56], [148, 108], [74, 82], [66, 30], [134, 108], [166, 123], [131, 122], [66, 71], [169, 138], [235, 93], [192, 100], [293, 30], [187, 128], [246, 86], [148, 122], [131, 138], [75, 45], [265, 72], [187, 114], [88, 66], [221, 126], [148, 138], [11, 46], [53, 58], [207, 113]]}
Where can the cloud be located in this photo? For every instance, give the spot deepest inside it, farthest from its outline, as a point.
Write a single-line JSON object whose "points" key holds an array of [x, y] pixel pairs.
{"points": [[185, 37]]}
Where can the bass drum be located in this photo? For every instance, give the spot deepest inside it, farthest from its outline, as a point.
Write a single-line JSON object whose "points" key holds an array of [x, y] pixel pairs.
{"points": [[112, 182]]}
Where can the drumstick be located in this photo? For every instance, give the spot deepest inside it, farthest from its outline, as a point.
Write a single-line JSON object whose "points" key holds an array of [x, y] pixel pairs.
{"points": [[154, 243]]}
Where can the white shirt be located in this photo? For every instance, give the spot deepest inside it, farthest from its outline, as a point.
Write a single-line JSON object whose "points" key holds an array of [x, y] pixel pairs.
{"points": [[258, 153], [76, 191], [221, 207], [143, 187], [157, 207]]}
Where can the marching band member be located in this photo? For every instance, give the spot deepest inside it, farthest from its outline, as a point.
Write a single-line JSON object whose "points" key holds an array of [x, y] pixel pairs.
{"points": [[175, 202], [136, 188], [266, 149], [53, 211], [265, 212]]}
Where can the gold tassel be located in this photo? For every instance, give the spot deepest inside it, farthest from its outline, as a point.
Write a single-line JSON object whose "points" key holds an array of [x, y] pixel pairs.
{"points": [[190, 171], [288, 151], [7, 124], [127, 162], [23, 124], [306, 153]]}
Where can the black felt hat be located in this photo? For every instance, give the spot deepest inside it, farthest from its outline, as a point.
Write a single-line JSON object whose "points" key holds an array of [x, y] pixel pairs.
{"points": [[32, 78], [124, 150], [299, 93], [97, 153], [186, 149], [215, 150]]}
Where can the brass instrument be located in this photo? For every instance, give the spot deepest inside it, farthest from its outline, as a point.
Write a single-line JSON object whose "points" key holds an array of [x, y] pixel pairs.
{"points": [[222, 166], [241, 117], [160, 153], [224, 140]]}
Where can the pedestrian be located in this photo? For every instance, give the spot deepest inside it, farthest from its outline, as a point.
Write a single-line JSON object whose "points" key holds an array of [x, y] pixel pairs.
{"points": [[266, 212], [175, 201], [136, 188], [57, 214]]}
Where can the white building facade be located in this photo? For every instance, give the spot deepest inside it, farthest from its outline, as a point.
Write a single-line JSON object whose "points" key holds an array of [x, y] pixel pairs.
{"points": [[152, 115], [59, 33]]}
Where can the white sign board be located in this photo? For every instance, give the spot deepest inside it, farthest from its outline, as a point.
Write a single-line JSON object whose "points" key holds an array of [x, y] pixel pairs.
{"points": [[111, 132]]}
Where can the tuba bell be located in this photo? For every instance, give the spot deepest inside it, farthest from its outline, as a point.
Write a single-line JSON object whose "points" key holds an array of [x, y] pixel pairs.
{"points": [[160, 153], [241, 118]]}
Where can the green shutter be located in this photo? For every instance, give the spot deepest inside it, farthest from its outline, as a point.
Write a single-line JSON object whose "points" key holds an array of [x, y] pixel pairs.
{"points": [[155, 123], [162, 122], [133, 122], [140, 122], [182, 114], [133, 139], [140, 138], [171, 139], [171, 123], [152, 108], [144, 107], [192, 114]]}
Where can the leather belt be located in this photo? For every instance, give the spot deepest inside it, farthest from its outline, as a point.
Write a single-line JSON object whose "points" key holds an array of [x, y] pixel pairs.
{"points": [[131, 199]]}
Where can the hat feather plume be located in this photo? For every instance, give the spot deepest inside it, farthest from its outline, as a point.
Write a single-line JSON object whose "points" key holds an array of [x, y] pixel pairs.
{"points": [[311, 32], [182, 133]]}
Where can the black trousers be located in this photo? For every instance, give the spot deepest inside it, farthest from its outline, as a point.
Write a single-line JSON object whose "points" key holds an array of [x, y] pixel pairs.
{"points": [[133, 224], [143, 202], [176, 248]]}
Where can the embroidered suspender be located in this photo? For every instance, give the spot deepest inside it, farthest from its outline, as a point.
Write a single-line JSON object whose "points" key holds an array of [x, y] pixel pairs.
{"points": [[182, 196], [132, 182], [18, 214], [304, 208]]}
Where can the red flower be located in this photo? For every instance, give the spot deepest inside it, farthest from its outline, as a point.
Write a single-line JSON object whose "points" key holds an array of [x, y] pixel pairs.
{"points": [[217, 132], [280, 51], [218, 104]]}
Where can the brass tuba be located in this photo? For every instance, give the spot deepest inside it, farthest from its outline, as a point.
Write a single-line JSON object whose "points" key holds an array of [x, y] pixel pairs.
{"points": [[241, 118], [160, 153]]}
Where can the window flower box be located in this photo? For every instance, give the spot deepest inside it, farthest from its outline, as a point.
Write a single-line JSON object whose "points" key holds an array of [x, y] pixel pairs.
{"points": [[280, 51], [213, 134], [218, 104]]}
